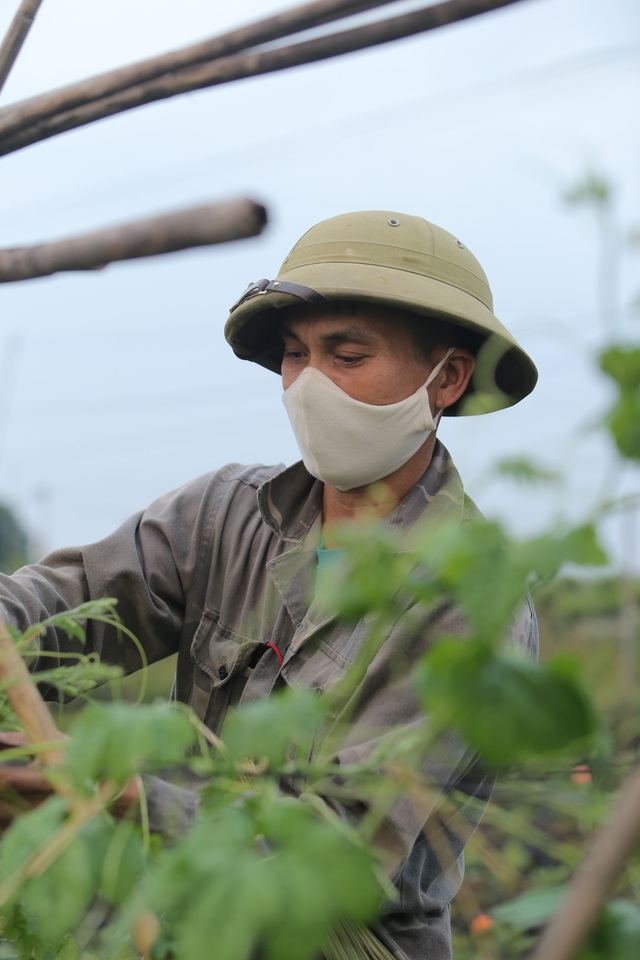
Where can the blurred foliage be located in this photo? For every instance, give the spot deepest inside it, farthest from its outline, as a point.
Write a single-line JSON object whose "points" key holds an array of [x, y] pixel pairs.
{"points": [[622, 364], [262, 868], [100, 887], [525, 470], [543, 818], [292, 859], [594, 189], [582, 617], [14, 543]]}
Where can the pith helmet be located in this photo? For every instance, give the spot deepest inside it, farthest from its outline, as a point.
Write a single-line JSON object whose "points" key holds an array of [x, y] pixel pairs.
{"points": [[406, 263]]}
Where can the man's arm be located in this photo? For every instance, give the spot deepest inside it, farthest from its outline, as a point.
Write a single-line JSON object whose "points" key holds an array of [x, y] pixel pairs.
{"points": [[147, 565]]}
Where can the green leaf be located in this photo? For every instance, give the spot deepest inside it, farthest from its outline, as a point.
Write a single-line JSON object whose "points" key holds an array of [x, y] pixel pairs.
{"points": [[271, 729], [544, 556], [532, 909], [77, 678], [22, 939], [594, 190], [506, 708], [58, 898], [68, 950], [28, 833], [623, 421], [123, 863], [617, 933], [525, 470], [226, 914], [622, 364], [269, 872], [73, 622], [474, 562], [116, 740], [373, 572]]}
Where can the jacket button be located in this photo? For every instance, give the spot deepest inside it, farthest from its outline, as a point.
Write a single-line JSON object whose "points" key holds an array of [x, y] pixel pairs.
{"points": [[223, 673]]}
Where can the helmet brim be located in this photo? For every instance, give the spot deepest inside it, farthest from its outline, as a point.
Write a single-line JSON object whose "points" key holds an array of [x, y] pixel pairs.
{"points": [[504, 372]]}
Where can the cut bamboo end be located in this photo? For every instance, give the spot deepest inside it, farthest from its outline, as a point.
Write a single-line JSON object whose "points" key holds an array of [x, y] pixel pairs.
{"points": [[25, 698]]}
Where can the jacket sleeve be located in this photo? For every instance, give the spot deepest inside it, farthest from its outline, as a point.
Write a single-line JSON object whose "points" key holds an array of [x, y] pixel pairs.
{"points": [[147, 565]]}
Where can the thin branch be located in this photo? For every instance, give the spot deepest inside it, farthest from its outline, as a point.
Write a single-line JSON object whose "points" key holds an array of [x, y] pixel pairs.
{"points": [[596, 877], [277, 27], [83, 810], [195, 227], [16, 36], [25, 698], [240, 66]]}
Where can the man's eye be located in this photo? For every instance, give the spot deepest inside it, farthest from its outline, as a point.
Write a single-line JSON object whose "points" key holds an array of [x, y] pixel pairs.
{"points": [[348, 359]]}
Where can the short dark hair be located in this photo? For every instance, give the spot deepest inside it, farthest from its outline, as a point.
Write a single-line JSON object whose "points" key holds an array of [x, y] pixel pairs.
{"points": [[434, 333]]}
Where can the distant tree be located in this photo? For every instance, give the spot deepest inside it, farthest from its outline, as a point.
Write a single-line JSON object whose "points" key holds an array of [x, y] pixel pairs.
{"points": [[14, 544]]}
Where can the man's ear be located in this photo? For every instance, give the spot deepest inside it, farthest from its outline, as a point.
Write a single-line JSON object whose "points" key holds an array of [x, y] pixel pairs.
{"points": [[453, 379]]}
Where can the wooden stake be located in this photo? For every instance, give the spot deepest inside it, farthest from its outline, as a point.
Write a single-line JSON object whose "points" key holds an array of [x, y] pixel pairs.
{"points": [[25, 698], [596, 877], [61, 117], [198, 226], [16, 36]]}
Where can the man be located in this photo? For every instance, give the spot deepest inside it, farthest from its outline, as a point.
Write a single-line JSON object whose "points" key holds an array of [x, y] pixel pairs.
{"points": [[379, 324]]}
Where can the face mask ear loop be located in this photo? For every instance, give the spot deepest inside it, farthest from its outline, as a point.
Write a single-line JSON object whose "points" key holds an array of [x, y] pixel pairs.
{"points": [[434, 373]]}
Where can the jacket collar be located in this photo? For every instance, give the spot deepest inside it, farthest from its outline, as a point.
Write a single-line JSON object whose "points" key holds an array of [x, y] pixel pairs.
{"points": [[291, 502]]}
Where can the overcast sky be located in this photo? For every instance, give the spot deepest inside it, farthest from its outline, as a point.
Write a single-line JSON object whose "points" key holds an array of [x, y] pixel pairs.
{"points": [[116, 386]]}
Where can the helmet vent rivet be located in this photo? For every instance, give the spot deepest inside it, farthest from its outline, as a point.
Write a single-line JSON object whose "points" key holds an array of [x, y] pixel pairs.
{"points": [[393, 222], [276, 283], [460, 244]]}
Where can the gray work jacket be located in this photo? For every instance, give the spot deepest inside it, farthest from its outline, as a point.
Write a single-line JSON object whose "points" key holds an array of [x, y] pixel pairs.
{"points": [[226, 564]]}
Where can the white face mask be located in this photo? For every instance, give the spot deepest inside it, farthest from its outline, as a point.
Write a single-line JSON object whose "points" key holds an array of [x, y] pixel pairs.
{"points": [[348, 443]]}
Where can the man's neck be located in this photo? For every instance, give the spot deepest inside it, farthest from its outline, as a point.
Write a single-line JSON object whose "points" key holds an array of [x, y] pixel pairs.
{"points": [[341, 508]]}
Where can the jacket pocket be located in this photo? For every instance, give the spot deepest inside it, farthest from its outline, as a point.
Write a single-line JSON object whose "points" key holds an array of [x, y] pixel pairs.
{"points": [[219, 656]]}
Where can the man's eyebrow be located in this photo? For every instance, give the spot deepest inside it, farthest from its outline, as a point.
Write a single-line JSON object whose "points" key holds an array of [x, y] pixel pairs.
{"points": [[354, 333]]}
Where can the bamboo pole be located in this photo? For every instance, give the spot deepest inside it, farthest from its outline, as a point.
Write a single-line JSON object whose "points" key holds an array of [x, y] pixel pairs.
{"points": [[596, 877], [198, 226], [25, 698], [263, 31], [16, 36], [230, 68]]}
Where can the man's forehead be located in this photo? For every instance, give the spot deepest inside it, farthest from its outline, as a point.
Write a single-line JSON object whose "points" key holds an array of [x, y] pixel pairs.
{"points": [[360, 322]]}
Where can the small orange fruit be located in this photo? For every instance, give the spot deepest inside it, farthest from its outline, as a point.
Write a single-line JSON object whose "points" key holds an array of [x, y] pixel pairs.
{"points": [[481, 923]]}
